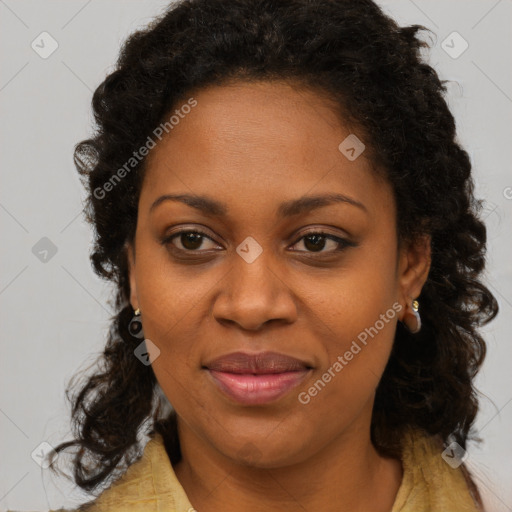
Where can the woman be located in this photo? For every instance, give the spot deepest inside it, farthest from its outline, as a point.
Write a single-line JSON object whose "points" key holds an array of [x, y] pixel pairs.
{"points": [[278, 195]]}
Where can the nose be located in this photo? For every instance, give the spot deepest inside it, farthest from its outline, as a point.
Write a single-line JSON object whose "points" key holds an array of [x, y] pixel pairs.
{"points": [[254, 294]]}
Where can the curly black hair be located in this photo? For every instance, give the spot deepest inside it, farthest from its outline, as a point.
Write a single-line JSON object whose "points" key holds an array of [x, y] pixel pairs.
{"points": [[374, 71]]}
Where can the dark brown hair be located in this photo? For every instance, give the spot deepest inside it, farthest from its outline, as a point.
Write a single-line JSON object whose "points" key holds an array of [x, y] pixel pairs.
{"points": [[372, 68]]}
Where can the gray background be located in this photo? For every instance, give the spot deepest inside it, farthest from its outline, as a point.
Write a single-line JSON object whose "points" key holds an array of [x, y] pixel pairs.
{"points": [[54, 311]]}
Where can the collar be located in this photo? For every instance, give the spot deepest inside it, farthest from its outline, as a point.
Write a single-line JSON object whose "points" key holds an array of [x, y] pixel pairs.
{"points": [[429, 484]]}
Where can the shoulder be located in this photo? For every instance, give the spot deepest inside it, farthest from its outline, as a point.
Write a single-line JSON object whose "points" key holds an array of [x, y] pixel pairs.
{"points": [[434, 479], [148, 484]]}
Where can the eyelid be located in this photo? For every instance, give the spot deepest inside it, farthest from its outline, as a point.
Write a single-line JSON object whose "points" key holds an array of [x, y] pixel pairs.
{"points": [[171, 236], [320, 230], [341, 241]]}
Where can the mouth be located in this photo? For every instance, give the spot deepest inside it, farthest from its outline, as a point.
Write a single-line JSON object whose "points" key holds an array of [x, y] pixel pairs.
{"points": [[253, 379]]}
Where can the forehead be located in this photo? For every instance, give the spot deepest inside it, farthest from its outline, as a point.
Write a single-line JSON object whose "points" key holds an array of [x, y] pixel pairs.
{"points": [[247, 118], [256, 142]]}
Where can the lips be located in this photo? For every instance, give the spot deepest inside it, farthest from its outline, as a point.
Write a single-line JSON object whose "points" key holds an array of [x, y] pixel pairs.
{"points": [[253, 379], [262, 363]]}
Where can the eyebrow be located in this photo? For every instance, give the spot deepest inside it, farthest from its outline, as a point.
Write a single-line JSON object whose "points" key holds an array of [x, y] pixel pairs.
{"points": [[287, 209]]}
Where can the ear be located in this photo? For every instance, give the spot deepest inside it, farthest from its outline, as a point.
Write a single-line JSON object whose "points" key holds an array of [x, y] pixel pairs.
{"points": [[130, 254], [413, 268]]}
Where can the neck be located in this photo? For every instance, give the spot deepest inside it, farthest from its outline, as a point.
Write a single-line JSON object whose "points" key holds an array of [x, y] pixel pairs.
{"points": [[347, 475]]}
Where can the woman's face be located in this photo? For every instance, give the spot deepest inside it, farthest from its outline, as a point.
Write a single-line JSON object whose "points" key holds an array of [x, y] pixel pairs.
{"points": [[247, 161]]}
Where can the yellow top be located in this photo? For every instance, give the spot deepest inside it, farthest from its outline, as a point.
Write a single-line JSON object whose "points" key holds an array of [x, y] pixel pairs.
{"points": [[429, 484]]}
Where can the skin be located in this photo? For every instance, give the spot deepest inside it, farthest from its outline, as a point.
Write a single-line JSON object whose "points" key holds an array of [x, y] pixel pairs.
{"points": [[253, 146]]}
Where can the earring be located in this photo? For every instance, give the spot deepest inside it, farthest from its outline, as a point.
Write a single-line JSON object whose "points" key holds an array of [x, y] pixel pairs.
{"points": [[414, 326], [135, 325]]}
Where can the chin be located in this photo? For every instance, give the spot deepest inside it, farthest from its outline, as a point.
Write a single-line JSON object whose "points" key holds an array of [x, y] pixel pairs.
{"points": [[264, 455]]}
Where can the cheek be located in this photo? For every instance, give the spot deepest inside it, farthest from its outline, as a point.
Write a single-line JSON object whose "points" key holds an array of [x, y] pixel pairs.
{"points": [[355, 356], [360, 309], [354, 297], [362, 330], [175, 318], [170, 296]]}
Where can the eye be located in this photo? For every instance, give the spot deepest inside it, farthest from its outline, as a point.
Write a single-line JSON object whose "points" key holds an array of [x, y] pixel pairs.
{"points": [[189, 240], [315, 242]]}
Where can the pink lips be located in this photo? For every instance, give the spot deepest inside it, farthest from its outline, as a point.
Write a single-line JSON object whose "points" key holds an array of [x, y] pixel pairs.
{"points": [[257, 378]]}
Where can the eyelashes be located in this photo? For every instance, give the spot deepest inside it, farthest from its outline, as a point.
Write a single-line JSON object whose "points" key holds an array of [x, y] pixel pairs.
{"points": [[197, 234], [339, 243], [196, 238]]}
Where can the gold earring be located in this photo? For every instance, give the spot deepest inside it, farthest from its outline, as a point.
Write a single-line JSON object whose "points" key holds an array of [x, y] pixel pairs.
{"points": [[413, 329], [135, 325]]}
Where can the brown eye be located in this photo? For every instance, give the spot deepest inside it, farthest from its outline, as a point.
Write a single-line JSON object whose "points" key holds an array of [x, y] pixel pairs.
{"points": [[316, 242], [189, 241]]}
